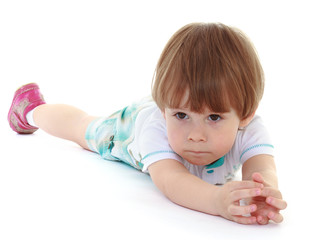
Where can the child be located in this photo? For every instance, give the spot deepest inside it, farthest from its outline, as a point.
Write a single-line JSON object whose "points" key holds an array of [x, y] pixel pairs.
{"points": [[198, 130]]}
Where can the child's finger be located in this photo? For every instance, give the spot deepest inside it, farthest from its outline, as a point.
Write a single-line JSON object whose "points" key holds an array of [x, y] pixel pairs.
{"points": [[277, 203], [262, 220], [276, 217], [268, 191], [244, 220], [257, 177], [245, 193], [241, 210], [237, 185]]}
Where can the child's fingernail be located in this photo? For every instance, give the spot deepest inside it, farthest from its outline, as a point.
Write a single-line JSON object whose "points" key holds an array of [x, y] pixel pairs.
{"points": [[271, 215], [269, 200], [258, 192]]}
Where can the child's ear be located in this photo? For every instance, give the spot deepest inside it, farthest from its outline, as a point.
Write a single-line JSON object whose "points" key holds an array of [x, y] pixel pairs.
{"points": [[163, 113], [246, 121]]}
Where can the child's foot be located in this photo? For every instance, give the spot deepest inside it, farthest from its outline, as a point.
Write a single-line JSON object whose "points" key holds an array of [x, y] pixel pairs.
{"points": [[26, 98]]}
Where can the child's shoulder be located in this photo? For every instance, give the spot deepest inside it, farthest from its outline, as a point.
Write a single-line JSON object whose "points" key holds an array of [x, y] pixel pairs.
{"points": [[150, 116], [256, 124], [253, 139], [255, 131]]}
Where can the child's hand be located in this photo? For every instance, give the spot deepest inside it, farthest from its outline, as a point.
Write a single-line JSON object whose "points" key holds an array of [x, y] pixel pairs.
{"points": [[268, 204], [228, 198]]}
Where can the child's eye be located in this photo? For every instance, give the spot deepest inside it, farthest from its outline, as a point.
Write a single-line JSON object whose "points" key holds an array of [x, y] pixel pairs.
{"points": [[214, 117], [181, 115]]}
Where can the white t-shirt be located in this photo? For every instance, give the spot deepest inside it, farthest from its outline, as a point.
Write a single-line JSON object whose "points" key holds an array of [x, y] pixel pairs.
{"points": [[151, 145]]}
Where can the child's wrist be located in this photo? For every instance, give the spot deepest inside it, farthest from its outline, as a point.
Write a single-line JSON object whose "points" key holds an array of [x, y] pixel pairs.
{"points": [[220, 208]]}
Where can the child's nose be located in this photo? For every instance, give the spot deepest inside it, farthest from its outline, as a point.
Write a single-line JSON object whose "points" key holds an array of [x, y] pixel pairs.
{"points": [[197, 134]]}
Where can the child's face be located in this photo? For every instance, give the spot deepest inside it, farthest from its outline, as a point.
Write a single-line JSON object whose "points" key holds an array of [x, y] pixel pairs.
{"points": [[201, 138]]}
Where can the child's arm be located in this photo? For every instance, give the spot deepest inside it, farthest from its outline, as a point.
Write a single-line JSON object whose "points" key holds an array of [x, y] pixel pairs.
{"points": [[262, 169], [187, 190], [263, 164]]}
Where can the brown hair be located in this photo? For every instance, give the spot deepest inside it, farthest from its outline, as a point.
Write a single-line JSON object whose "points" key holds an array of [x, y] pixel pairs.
{"points": [[216, 65]]}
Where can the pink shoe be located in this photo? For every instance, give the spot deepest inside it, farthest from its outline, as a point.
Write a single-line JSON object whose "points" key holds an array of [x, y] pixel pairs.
{"points": [[26, 98]]}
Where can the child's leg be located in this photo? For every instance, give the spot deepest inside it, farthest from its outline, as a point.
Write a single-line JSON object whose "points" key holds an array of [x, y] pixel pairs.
{"points": [[63, 121]]}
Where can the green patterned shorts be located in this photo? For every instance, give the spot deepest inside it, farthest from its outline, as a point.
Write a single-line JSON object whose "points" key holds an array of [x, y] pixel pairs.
{"points": [[111, 136]]}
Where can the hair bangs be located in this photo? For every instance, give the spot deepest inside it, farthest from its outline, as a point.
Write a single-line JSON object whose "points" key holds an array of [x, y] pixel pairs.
{"points": [[196, 90]]}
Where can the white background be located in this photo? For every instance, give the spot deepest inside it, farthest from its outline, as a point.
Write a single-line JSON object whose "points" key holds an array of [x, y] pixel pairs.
{"points": [[100, 56]]}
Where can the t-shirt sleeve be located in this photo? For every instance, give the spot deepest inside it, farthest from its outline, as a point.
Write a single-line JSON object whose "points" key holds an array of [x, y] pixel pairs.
{"points": [[254, 140], [154, 144]]}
